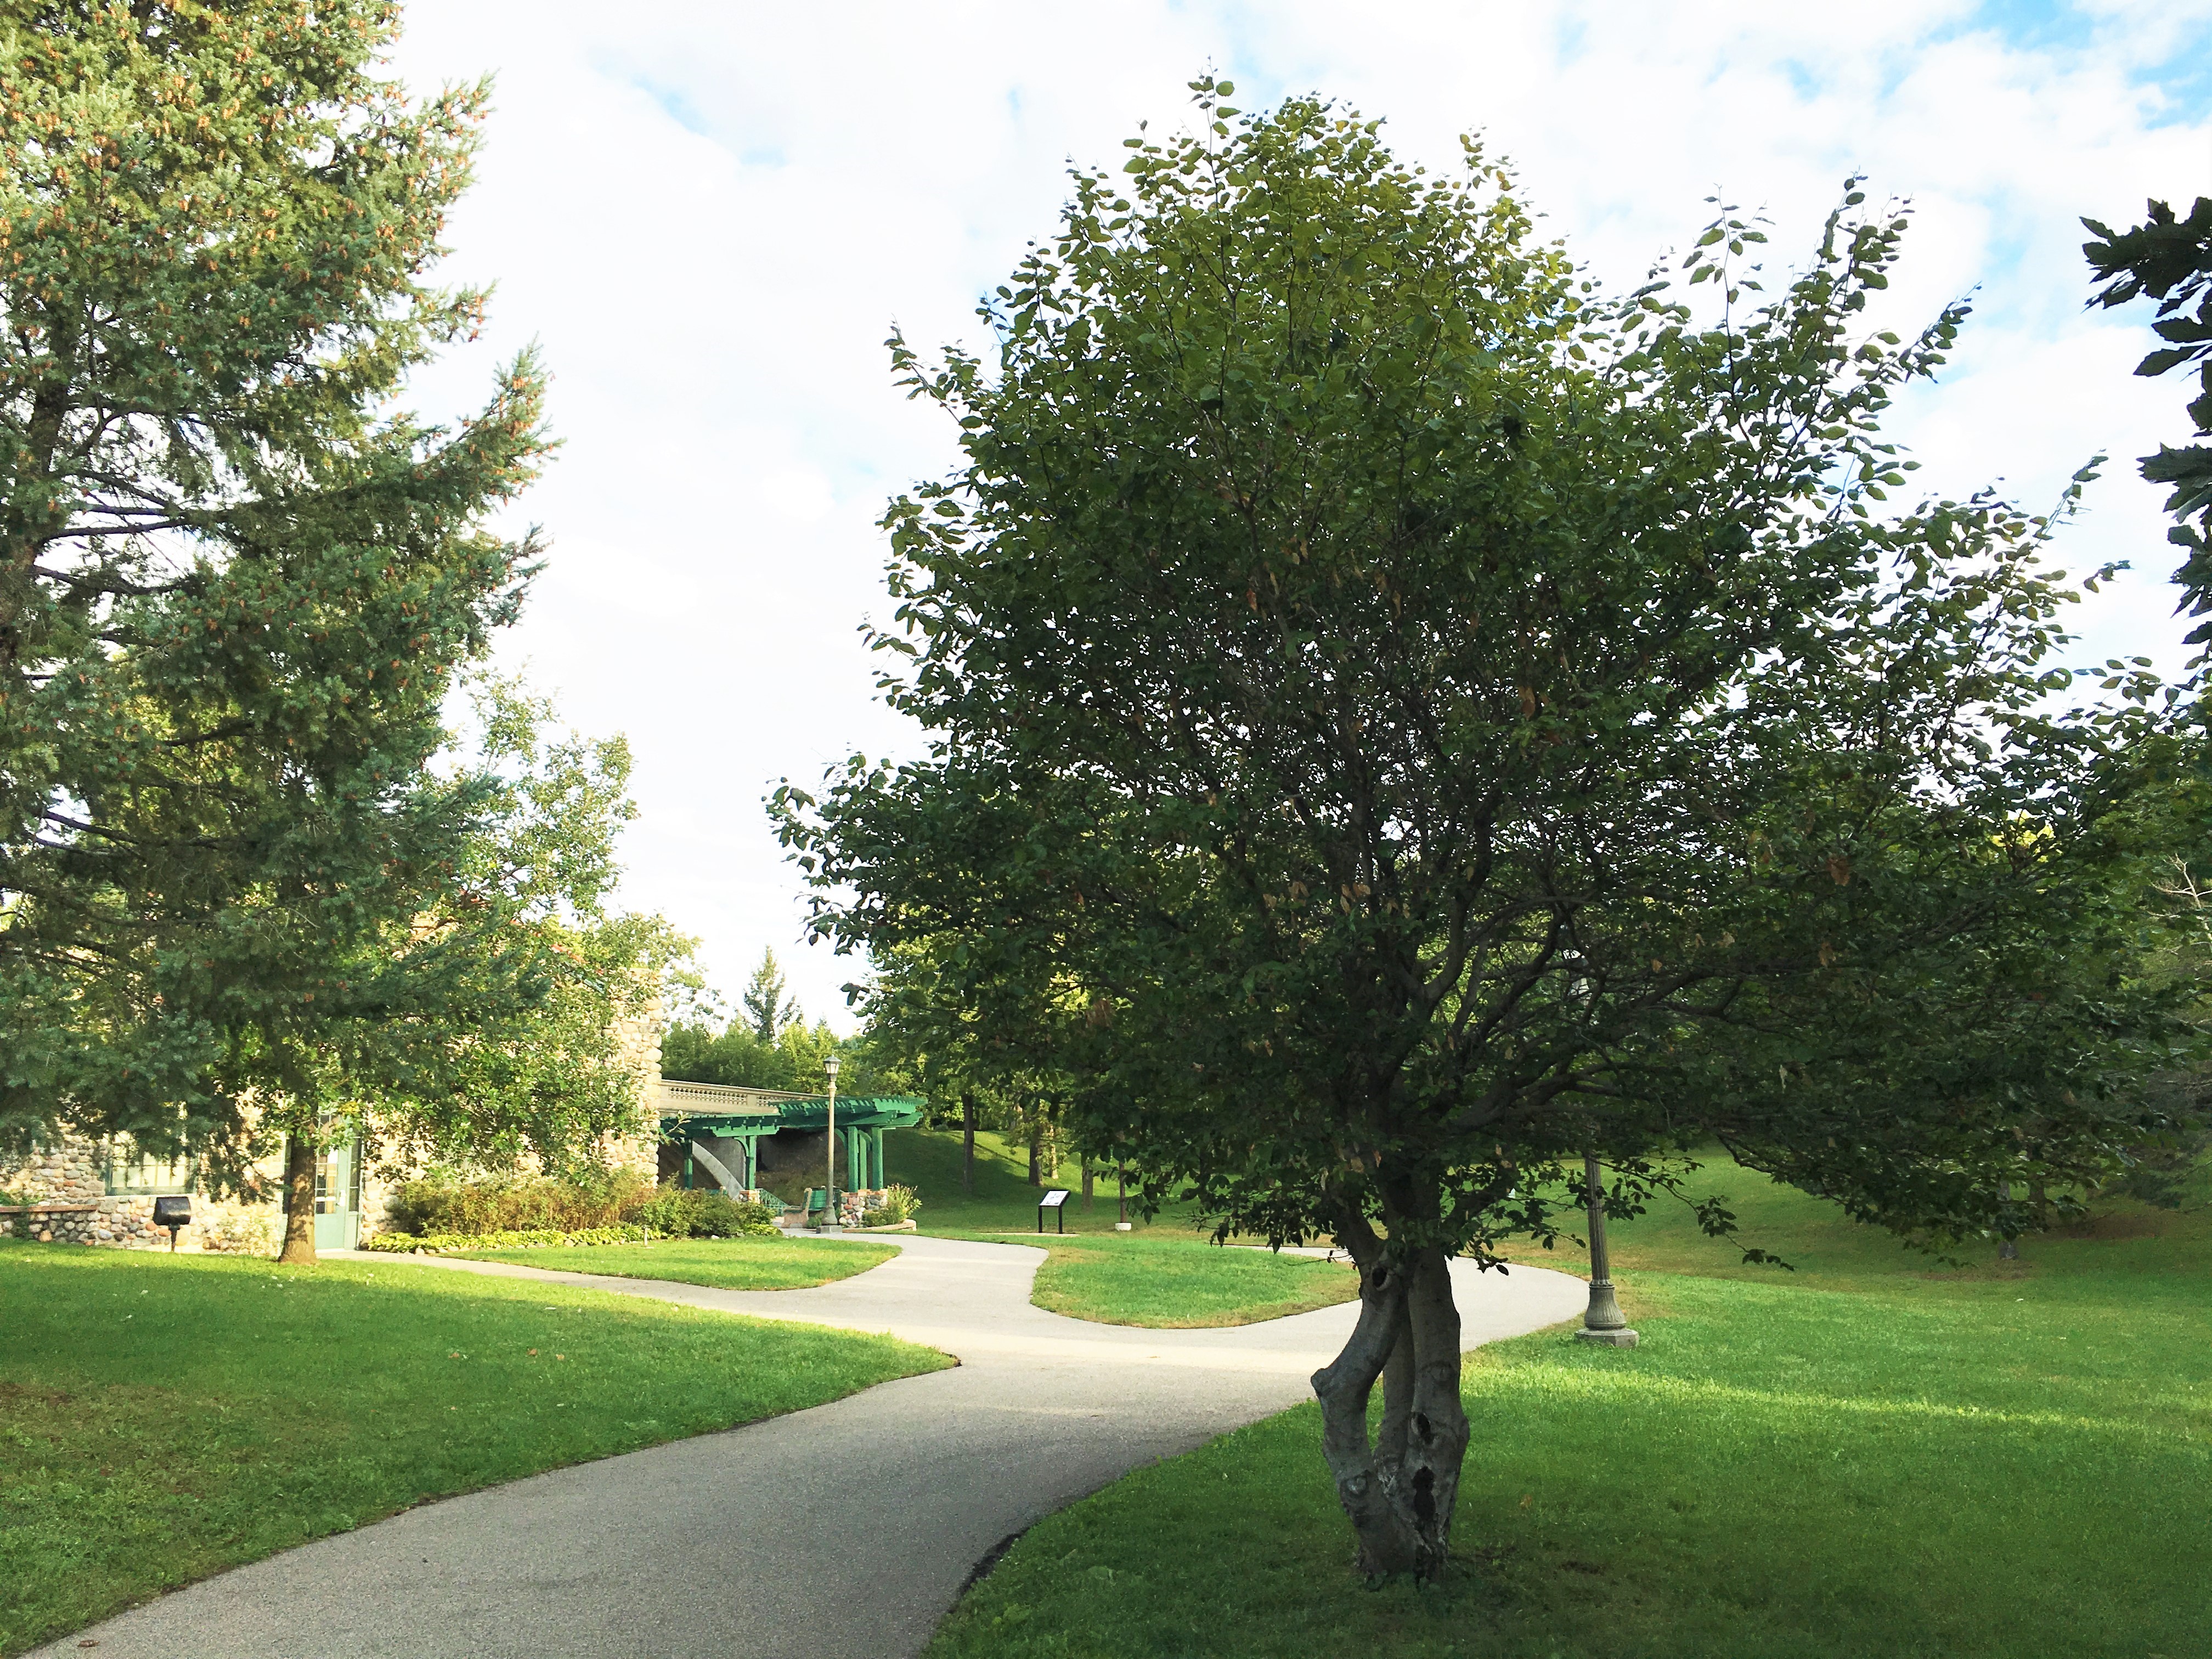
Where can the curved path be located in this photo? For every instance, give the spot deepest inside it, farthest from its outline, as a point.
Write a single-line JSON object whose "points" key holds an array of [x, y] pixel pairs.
{"points": [[850, 1529]]}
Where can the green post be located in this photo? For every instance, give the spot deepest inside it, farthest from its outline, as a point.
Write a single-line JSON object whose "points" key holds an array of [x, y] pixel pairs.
{"points": [[877, 1137], [1602, 1321]]}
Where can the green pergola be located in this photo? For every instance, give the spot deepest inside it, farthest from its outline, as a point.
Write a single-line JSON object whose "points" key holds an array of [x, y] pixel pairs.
{"points": [[724, 1127]]}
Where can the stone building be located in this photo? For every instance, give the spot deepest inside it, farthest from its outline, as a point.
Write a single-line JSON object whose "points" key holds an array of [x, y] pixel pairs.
{"points": [[84, 1192], [80, 1192]]}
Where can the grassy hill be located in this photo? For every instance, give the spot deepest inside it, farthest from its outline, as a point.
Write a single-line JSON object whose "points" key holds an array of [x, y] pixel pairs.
{"points": [[928, 1160]]}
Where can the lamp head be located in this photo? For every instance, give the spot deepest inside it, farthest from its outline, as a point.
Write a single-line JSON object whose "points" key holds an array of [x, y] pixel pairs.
{"points": [[829, 1065]]}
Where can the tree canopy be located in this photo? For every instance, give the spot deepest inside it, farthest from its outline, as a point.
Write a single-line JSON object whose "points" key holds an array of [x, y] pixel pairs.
{"points": [[552, 1076], [1402, 718], [2169, 260], [736, 1057]]}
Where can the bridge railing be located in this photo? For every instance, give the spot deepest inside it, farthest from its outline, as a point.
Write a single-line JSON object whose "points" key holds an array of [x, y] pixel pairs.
{"points": [[712, 1097]]}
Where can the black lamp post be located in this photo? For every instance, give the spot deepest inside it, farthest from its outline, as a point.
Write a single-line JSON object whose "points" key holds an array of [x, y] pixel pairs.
{"points": [[830, 1185], [1603, 1322]]}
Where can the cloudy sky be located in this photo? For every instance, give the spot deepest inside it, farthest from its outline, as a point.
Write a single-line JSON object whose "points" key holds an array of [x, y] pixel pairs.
{"points": [[710, 214]]}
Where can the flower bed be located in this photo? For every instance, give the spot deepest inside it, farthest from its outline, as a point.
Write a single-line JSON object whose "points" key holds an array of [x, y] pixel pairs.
{"points": [[877, 1206]]}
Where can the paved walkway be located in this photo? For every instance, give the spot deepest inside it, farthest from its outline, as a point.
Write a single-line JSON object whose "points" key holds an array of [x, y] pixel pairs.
{"points": [[887, 1500]]}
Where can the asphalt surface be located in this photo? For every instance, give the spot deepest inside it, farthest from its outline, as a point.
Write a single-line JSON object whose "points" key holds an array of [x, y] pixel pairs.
{"points": [[848, 1529]]}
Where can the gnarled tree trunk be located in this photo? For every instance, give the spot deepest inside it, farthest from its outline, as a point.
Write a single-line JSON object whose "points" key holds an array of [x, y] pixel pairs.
{"points": [[1401, 1489], [299, 1201]]}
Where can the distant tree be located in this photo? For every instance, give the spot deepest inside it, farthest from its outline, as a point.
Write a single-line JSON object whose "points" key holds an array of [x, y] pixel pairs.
{"points": [[549, 1081], [765, 1005], [737, 1058], [869, 1066], [2169, 260], [1402, 720], [979, 1055], [236, 580], [694, 1052]]}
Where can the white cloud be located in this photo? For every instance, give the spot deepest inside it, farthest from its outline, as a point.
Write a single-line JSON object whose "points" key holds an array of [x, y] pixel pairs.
{"points": [[710, 216]]}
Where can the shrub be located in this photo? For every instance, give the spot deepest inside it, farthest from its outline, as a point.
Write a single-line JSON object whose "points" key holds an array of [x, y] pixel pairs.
{"points": [[443, 1204], [702, 1213], [667, 1211], [717, 1215], [899, 1204], [519, 1238], [672, 1212]]}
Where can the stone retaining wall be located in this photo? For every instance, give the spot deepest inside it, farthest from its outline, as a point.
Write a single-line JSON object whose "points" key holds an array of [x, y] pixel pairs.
{"points": [[69, 1204], [120, 1222]]}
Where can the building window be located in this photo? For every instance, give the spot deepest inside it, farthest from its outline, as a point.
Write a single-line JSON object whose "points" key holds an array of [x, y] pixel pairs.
{"points": [[129, 1173]]}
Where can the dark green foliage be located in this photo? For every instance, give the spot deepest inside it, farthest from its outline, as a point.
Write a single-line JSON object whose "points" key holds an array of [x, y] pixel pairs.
{"points": [[1401, 717], [2169, 260], [584, 1199], [493, 1204], [1402, 720], [768, 1009], [737, 1058], [701, 1212], [548, 1077], [235, 582]]}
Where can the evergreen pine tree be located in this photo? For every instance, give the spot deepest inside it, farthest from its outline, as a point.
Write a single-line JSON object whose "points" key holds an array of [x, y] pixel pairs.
{"points": [[235, 584]]}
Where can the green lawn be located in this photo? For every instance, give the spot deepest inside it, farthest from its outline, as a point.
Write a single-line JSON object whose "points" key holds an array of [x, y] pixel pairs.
{"points": [[1172, 1282], [1870, 1457], [732, 1264], [1163, 1272], [162, 1418]]}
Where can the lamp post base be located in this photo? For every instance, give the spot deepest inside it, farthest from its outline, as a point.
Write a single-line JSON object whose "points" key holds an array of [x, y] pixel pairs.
{"points": [[1621, 1339]]}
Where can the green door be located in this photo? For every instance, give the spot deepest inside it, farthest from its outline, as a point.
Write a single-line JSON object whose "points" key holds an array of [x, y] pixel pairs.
{"points": [[337, 1198]]}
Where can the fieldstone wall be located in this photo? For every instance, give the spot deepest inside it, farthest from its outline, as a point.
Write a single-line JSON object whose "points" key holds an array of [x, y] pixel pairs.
{"points": [[637, 1047], [69, 1204]]}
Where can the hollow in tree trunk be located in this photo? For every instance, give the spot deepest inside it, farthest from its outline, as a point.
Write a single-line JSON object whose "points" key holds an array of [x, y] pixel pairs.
{"points": [[1399, 1489], [299, 1201], [968, 1144]]}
